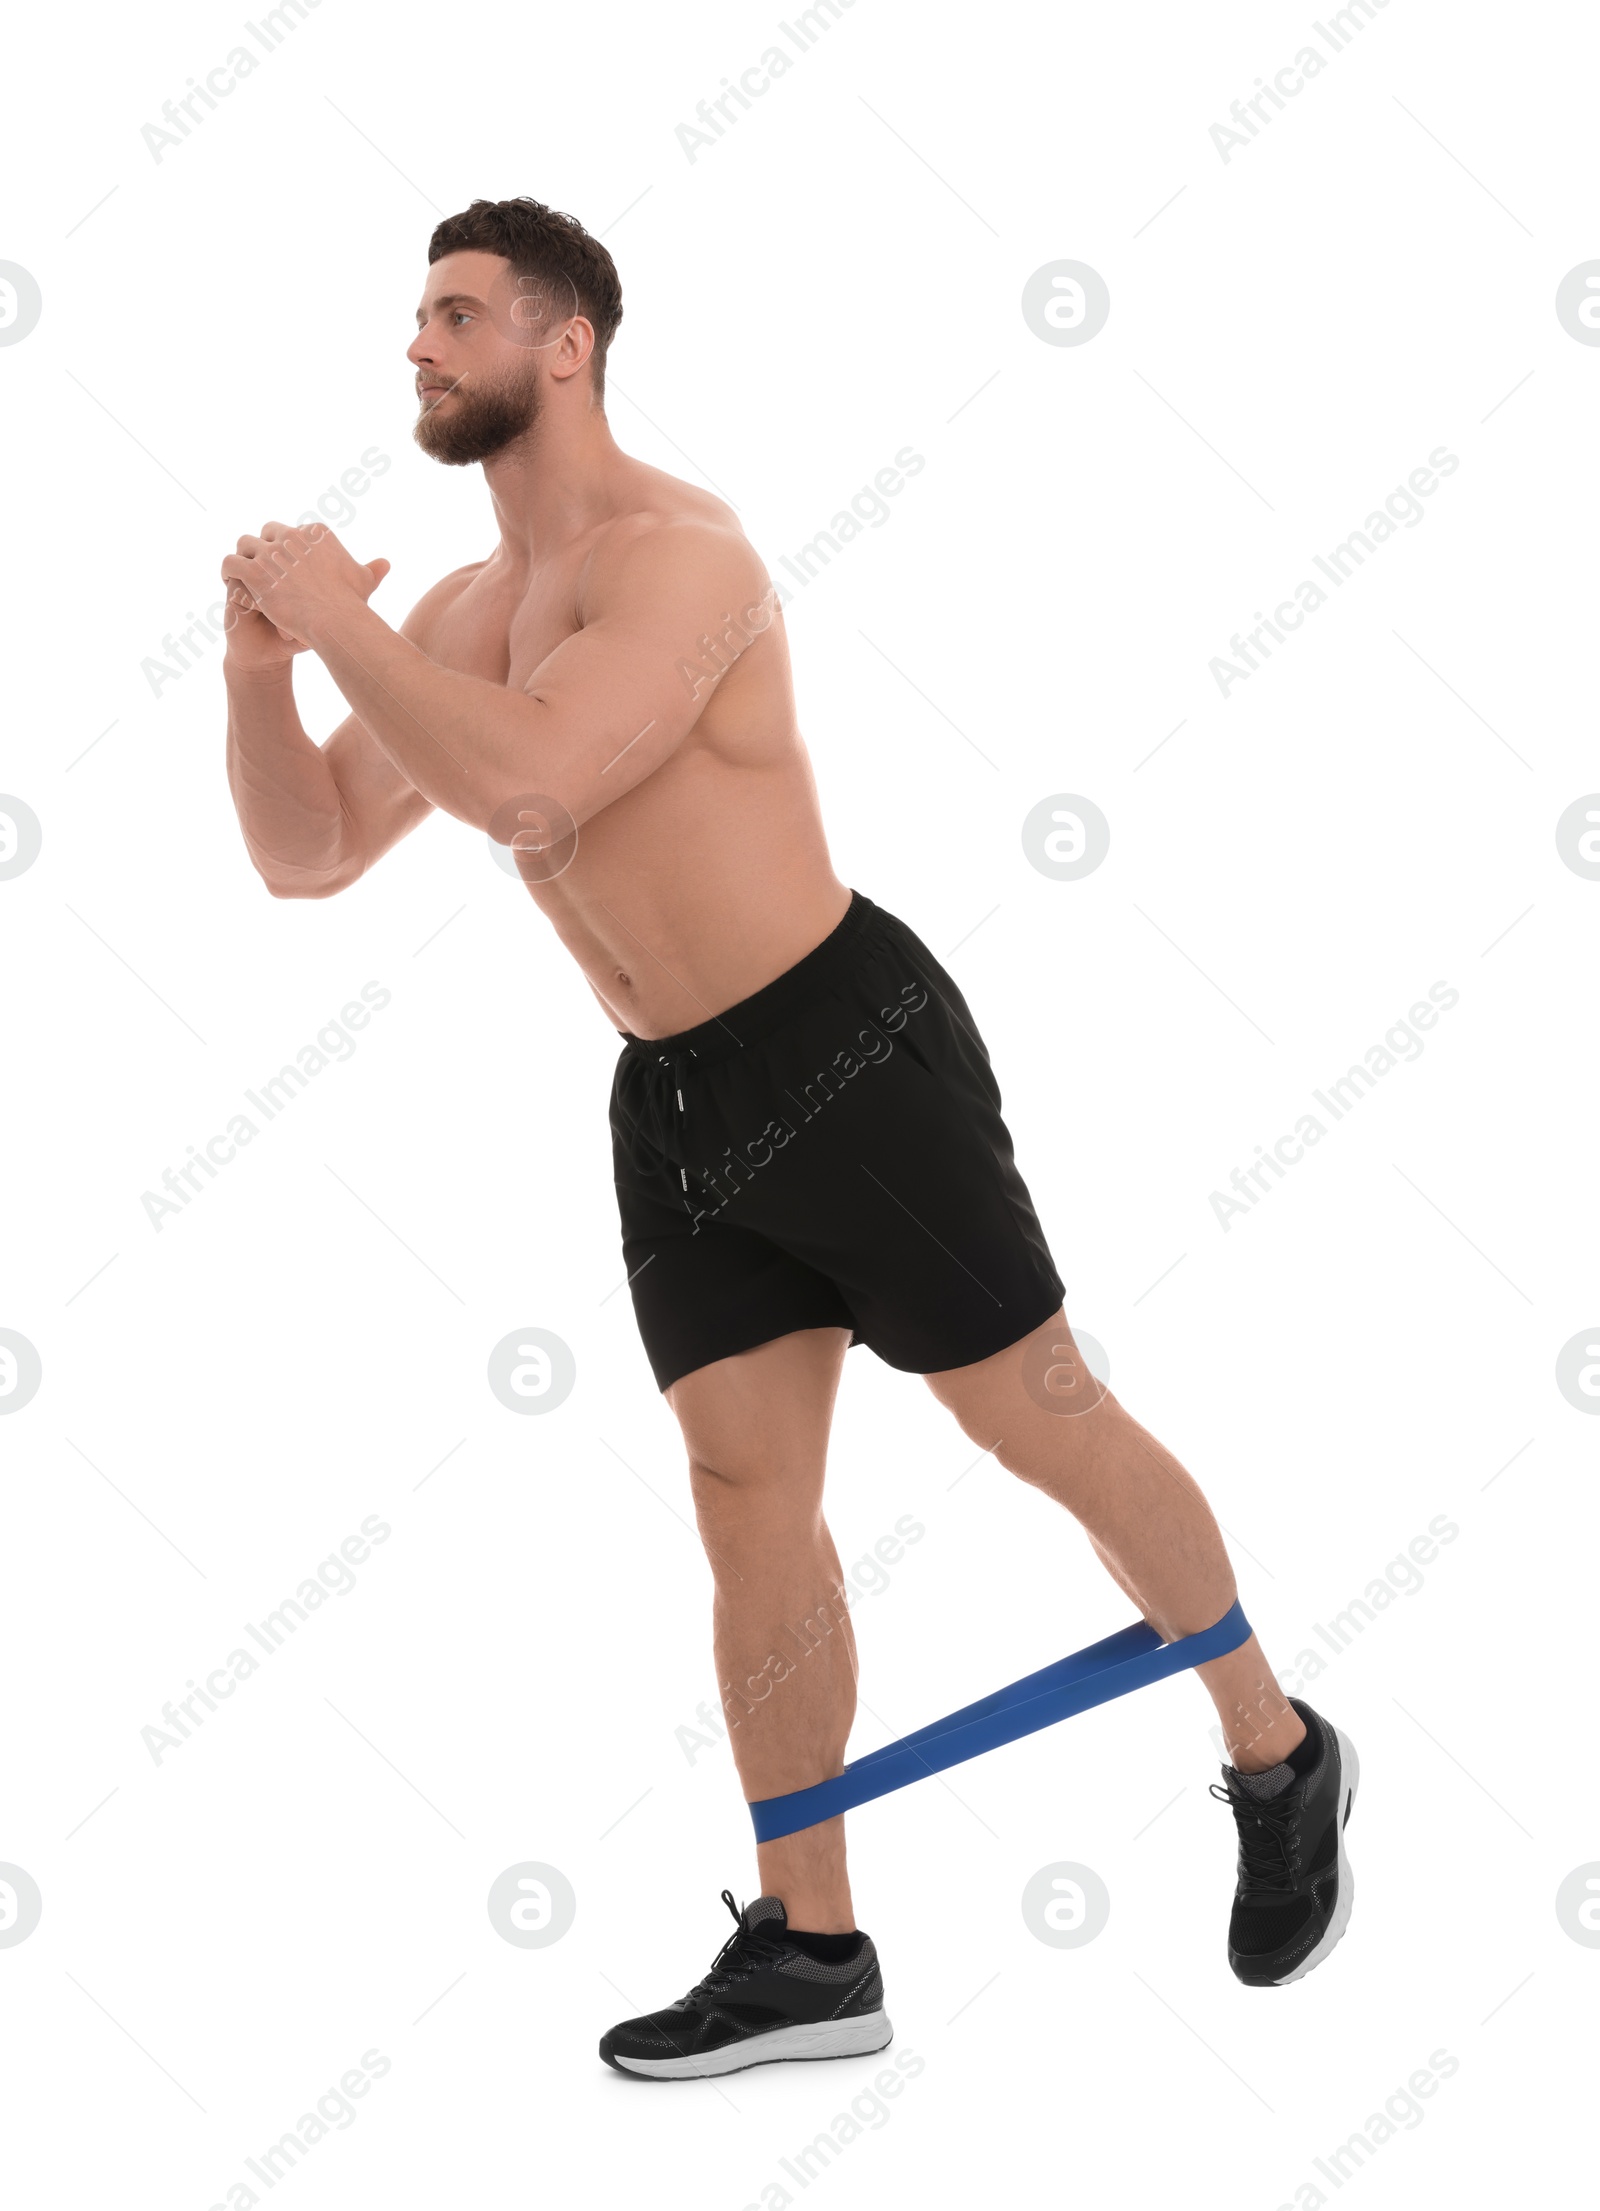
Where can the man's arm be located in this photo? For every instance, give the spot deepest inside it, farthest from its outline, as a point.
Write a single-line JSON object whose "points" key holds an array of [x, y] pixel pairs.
{"points": [[314, 817], [665, 608]]}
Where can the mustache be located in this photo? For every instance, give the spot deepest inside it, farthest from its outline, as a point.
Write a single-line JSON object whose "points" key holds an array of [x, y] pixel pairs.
{"points": [[451, 386]]}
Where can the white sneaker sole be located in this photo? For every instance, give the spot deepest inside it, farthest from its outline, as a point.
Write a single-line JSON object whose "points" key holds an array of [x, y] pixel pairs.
{"points": [[858, 2037], [1349, 1781]]}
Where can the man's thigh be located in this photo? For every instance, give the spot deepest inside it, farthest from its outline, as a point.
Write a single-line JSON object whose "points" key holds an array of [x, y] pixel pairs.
{"points": [[756, 1425], [1030, 1403]]}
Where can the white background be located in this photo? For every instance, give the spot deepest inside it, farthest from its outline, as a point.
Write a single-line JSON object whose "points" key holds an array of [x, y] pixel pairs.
{"points": [[224, 1400]]}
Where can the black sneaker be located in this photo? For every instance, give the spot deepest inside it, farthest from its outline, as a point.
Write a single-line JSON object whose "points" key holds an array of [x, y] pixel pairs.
{"points": [[764, 2000], [1295, 1887]]}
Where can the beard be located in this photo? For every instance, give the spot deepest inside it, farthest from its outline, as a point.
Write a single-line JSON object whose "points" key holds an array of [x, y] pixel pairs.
{"points": [[484, 421]]}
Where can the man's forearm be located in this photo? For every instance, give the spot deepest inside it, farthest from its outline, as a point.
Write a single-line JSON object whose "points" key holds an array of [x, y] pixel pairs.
{"points": [[284, 790], [462, 742]]}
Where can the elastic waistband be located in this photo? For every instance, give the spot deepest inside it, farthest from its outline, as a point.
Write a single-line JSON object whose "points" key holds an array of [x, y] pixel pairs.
{"points": [[770, 1007]]}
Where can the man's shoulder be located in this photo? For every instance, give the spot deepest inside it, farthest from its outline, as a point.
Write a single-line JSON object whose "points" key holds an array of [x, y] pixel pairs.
{"points": [[651, 497], [696, 540], [437, 600]]}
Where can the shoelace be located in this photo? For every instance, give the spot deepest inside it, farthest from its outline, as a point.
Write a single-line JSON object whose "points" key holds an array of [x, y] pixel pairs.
{"points": [[745, 1950], [1268, 1832]]}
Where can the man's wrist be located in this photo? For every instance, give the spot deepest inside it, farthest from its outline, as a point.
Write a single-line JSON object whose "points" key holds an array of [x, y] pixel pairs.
{"points": [[339, 625], [239, 675]]}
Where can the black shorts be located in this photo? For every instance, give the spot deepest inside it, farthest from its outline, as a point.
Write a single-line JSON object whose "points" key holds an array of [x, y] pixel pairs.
{"points": [[827, 1153]]}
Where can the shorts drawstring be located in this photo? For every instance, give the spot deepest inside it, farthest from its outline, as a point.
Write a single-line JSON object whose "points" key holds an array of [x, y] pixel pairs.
{"points": [[674, 1066]]}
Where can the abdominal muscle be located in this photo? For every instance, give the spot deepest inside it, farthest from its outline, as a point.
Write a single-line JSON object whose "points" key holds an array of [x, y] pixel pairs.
{"points": [[698, 887]]}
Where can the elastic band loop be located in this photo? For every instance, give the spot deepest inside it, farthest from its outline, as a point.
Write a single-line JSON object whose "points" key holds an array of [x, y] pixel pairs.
{"points": [[1131, 1659]]}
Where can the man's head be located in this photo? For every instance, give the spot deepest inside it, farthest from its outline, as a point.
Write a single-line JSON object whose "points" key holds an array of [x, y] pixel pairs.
{"points": [[520, 300]]}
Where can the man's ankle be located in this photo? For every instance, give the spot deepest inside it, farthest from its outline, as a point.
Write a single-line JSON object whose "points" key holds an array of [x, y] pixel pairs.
{"points": [[1272, 1745], [809, 1919]]}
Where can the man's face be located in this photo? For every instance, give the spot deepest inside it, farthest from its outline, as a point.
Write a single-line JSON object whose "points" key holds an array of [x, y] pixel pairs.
{"points": [[481, 336]]}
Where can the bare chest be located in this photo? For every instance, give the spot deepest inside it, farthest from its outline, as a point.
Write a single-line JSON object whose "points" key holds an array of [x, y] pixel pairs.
{"points": [[500, 630]]}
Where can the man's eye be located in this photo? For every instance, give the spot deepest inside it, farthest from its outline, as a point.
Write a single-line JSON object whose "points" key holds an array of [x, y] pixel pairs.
{"points": [[460, 315]]}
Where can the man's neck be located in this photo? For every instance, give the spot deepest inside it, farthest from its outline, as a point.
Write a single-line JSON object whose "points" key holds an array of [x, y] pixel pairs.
{"points": [[553, 483]]}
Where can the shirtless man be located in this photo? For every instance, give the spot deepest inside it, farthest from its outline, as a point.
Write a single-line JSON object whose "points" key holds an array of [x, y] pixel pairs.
{"points": [[806, 1132]]}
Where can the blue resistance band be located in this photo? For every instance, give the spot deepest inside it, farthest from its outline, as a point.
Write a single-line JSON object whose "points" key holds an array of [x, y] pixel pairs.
{"points": [[1133, 1658]]}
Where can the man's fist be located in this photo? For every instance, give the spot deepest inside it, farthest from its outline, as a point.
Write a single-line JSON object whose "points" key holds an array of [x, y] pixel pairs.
{"points": [[283, 584], [255, 645]]}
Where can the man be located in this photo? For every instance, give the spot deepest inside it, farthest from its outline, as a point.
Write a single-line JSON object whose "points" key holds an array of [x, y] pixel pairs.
{"points": [[807, 1135]]}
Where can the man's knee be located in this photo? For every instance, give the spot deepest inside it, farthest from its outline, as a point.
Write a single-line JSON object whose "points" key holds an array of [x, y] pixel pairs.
{"points": [[724, 1483], [746, 1509], [1063, 1449]]}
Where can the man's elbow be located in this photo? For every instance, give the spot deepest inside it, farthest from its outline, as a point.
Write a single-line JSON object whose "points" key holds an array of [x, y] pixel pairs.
{"points": [[305, 882], [282, 888]]}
